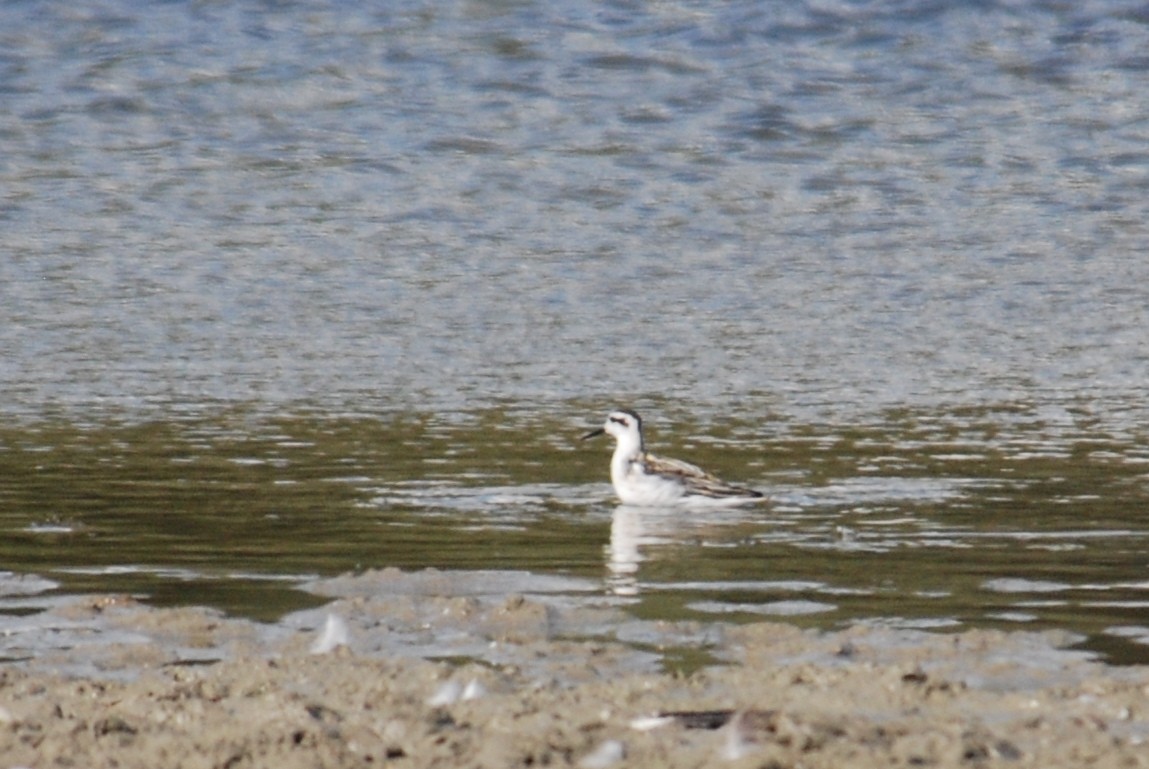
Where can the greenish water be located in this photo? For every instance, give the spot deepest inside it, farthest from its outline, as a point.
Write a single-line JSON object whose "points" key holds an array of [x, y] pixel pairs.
{"points": [[971, 518]]}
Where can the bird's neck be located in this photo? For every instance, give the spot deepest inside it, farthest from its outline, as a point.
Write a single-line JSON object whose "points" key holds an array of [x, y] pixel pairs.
{"points": [[628, 449]]}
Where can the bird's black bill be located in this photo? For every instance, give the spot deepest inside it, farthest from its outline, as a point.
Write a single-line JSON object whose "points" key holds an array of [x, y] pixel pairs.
{"points": [[593, 434]]}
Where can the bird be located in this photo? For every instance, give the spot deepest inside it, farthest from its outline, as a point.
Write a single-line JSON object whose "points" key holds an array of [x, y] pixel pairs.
{"points": [[642, 479]]}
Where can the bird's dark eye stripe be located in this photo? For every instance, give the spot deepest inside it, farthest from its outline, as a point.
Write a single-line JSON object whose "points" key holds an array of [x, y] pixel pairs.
{"points": [[619, 420]]}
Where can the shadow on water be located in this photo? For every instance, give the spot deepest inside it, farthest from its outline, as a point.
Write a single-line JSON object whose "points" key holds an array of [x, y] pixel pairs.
{"points": [[941, 521]]}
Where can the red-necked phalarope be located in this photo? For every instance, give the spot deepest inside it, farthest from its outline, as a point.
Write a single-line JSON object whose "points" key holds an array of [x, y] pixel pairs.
{"points": [[640, 478]]}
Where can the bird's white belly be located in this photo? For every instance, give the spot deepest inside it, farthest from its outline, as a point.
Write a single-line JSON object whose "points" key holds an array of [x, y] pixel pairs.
{"points": [[634, 487]]}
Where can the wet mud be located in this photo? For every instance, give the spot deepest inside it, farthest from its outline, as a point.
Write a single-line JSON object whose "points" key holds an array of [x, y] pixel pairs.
{"points": [[432, 669]]}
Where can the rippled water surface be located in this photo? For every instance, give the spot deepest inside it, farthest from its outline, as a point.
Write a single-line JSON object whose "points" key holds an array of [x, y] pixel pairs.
{"points": [[923, 521], [298, 288]]}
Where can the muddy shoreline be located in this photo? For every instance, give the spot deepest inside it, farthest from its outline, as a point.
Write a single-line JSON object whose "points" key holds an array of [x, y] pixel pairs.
{"points": [[424, 670]]}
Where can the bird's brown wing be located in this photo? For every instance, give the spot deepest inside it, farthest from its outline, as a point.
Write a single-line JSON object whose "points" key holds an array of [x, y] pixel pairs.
{"points": [[697, 480]]}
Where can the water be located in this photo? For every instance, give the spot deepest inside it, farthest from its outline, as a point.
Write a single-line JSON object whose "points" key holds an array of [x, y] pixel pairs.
{"points": [[992, 520], [298, 288]]}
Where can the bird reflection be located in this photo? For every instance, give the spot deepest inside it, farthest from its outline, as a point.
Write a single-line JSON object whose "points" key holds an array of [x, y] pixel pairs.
{"points": [[631, 529]]}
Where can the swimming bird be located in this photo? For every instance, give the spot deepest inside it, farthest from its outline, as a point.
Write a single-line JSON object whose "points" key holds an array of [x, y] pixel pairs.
{"points": [[640, 478]]}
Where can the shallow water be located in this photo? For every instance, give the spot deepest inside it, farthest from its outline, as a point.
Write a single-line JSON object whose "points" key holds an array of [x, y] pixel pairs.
{"points": [[291, 289], [942, 522]]}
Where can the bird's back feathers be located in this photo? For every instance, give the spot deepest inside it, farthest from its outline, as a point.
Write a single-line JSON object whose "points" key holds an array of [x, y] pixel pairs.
{"points": [[696, 480]]}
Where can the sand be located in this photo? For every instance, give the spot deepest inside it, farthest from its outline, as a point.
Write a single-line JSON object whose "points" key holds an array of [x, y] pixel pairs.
{"points": [[434, 670]]}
